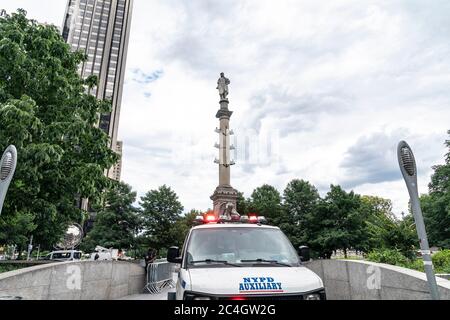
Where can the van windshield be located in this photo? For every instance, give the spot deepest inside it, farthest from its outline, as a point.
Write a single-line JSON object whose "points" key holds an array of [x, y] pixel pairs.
{"points": [[240, 247]]}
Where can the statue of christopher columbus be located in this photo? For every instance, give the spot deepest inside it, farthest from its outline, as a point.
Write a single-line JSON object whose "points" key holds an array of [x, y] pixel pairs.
{"points": [[222, 86]]}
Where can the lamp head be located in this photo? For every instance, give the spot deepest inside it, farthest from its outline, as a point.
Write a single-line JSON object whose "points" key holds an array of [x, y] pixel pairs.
{"points": [[7, 168], [407, 159], [8, 164], [408, 166]]}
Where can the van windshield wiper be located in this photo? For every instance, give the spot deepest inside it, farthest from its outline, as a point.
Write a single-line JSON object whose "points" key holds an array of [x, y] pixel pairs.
{"points": [[267, 261], [210, 261]]}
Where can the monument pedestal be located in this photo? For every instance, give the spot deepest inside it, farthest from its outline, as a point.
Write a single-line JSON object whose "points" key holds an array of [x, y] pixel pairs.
{"points": [[221, 197]]}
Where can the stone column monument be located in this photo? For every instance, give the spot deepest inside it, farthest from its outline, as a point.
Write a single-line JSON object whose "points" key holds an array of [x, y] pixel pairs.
{"points": [[225, 196]]}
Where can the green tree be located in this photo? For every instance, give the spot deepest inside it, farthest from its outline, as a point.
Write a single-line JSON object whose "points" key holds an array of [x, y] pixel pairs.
{"points": [[182, 226], [377, 205], [436, 205], [266, 201], [243, 205], [300, 201], [436, 213], [161, 211], [47, 114], [337, 224], [117, 222], [15, 228], [379, 213], [385, 231]]}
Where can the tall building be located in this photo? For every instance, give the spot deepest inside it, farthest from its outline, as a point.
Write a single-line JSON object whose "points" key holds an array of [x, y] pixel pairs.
{"points": [[101, 28]]}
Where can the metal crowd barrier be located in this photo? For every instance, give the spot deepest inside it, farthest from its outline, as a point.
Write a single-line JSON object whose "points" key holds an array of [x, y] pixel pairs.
{"points": [[159, 277]]}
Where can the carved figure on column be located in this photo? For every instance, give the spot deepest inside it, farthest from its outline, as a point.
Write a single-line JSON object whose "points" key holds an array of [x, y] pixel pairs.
{"points": [[230, 210]]}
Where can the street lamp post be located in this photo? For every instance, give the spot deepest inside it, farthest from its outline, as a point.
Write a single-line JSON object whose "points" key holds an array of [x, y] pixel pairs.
{"points": [[30, 248], [39, 249], [7, 168], [408, 167]]}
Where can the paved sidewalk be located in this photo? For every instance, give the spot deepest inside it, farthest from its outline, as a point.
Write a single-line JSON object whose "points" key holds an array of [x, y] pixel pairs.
{"points": [[147, 296]]}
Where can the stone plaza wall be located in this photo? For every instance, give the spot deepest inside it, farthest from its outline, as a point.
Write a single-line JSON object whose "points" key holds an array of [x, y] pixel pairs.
{"points": [[108, 280], [84, 280], [362, 280]]}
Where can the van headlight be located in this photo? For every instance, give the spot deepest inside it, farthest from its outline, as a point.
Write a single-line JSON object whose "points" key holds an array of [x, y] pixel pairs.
{"points": [[312, 296]]}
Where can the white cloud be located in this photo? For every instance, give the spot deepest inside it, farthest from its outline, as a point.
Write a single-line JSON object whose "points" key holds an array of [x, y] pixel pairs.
{"points": [[46, 11], [318, 76]]}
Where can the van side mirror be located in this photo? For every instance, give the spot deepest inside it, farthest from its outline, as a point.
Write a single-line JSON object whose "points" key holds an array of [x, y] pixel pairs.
{"points": [[304, 253], [173, 255]]}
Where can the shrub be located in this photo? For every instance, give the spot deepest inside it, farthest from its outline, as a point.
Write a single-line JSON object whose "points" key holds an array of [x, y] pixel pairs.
{"points": [[9, 267], [416, 264], [441, 261], [388, 256]]}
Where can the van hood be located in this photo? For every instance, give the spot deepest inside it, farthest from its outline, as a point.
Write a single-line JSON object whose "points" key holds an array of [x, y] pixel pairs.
{"points": [[254, 280]]}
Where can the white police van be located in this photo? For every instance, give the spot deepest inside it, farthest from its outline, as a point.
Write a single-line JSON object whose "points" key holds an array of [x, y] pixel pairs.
{"points": [[240, 258]]}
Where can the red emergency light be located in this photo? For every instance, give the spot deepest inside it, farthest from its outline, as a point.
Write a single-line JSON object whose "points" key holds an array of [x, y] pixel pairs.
{"points": [[253, 218], [211, 218]]}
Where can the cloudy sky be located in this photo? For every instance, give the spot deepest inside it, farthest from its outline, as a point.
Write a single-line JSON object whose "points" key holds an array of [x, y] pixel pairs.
{"points": [[321, 90]]}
